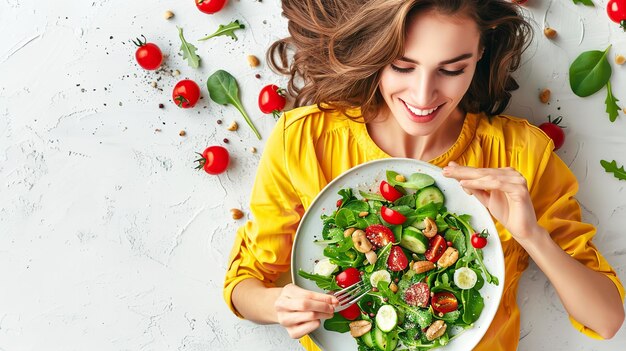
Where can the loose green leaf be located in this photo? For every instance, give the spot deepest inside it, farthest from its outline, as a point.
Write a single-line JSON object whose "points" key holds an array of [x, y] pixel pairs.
{"points": [[224, 90], [228, 29], [589, 72], [584, 2], [611, 167], [338, 323], [611, 103], [189, 51], [325, 283]]}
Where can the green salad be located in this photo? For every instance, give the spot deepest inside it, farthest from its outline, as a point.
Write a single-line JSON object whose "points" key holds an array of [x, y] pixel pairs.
{"points": [[423, 265]]}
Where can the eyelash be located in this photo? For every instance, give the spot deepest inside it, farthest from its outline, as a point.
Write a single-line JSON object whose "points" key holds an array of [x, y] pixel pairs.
{"points": [[443, 71]]}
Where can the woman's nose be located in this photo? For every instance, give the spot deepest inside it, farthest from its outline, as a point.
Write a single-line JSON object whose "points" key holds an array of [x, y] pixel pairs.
{"points": [[424, 90]]}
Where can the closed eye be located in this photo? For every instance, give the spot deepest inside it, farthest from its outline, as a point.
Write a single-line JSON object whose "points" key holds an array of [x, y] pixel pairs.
{"points": [[401, 70], [452, 73]]}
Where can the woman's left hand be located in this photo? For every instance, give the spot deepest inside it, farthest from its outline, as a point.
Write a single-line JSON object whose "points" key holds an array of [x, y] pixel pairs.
{"points": [[504, 192]]}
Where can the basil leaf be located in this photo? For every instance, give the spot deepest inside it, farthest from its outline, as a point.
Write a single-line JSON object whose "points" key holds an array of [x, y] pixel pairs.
{"points": [[189, 51], [224, 90], [589, 72]]}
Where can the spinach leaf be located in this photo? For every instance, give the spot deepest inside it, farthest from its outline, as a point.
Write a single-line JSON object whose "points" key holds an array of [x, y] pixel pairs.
{"points": [[371, 196], [324, 283], [228, 29], [406, 200], [589, 72], [450, 317], [189, 51], [223, 89], [357, 206], [338, 323], [473, 305], [346, 196], [345, 218]]}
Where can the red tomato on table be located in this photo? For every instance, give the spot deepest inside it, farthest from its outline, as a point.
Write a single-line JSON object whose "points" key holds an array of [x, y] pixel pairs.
{"points": [[148, 55], [272, 99], [616, 9], [214, 160], [210, 6], [186, 93]]}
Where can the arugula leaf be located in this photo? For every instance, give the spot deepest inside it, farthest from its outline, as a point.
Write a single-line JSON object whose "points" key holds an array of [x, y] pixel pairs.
{"points": [[584, 2], [589, 72], [189, 51], [611, 167], [611, 103], [325, 283], [228, 29], [224, 90]]}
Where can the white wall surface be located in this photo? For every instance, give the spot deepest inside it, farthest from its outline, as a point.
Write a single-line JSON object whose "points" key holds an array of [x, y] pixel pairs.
{"points": [[110, 240]]}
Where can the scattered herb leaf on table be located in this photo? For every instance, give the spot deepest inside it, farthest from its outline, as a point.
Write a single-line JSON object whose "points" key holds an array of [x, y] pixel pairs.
{"points": [[611, 103], [611, 167], [584, 2], [228, 29], [224, 90], [589, 72], [189, 51]]}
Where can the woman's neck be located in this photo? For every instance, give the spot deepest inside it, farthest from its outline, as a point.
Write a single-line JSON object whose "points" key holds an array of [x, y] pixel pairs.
{"points": [[393, 140]]}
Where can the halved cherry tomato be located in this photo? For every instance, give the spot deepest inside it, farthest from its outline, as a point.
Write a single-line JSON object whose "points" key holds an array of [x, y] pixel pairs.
{"points": [[348, 277], [444, 302], [186, 93], [214, 160], [351, 313], [397, 260], [148, 55], [379, 235], [210, 6], [389, 192], [436, 247], [392, 216]]}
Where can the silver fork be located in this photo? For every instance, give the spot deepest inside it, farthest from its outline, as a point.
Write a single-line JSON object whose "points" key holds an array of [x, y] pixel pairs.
{"points": [[353, 293]]}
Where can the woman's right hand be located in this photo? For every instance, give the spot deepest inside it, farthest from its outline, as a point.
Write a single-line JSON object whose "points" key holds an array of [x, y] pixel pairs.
{"points": [[300, 310]]}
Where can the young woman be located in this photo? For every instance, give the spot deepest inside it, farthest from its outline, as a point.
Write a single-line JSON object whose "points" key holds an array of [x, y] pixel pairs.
{"points": [[424, 79]]}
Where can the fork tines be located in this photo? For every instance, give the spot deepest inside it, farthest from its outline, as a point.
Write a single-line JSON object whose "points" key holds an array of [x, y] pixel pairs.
{"points": [[353, 293]]}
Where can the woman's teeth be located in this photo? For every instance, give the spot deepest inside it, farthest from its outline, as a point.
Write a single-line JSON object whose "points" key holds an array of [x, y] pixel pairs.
{"points": [[419, 112]]}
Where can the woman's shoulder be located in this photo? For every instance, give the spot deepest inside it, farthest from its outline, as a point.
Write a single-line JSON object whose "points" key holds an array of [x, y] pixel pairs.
{"points": [[313, 120], [511, 131]]}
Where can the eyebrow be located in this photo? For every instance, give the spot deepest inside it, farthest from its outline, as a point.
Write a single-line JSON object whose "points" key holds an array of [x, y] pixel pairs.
{"points": [[445, 62]]}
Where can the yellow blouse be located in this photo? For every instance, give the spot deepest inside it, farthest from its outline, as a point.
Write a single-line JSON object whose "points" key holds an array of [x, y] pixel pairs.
{"points": [[308, 148]]}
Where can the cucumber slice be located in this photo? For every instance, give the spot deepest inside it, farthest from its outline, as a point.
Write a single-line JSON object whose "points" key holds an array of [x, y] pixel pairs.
{"points": [[380, 339], [380, 276], [367, 339], [386, 318], [414, 240], [324, 267], [428, 195], [465, 278]]}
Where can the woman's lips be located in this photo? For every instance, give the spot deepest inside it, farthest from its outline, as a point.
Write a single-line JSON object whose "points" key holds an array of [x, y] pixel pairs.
{"points": [[421, 118]]}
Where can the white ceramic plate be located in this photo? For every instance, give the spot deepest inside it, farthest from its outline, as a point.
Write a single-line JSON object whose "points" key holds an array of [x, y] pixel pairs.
{"points": [[366, 177]]}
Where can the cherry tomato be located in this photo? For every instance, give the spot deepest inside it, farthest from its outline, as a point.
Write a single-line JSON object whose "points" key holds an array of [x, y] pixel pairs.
{"points": [[186, 93], [554, 131], [210, 6], [479, 240], [348, 277], [389, 192], [272, 99], [392, 216], [444, 302], [436, 247], [616, 9], [339, 203], [379, 235], [351, 312], [214, 160], [397, 260], [148, 55]]}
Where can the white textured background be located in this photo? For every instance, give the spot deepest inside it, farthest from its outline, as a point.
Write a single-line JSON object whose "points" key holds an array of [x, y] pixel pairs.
{"points": [[109, 240]]}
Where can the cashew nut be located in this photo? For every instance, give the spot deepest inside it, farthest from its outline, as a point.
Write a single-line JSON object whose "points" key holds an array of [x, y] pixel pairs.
{"points": [[361, 244], [348, 232], [360, 328], [423, 266], [436, 330], [371, 257], [431, 228], [448, 258], [393, 287]]}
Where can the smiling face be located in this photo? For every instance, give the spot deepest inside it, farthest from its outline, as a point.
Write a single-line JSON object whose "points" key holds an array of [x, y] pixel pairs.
{"points": [[423, 88]]}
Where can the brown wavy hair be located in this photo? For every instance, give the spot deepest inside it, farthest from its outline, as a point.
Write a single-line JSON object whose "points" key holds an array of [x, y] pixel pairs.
{"points": [[337, 49]]}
